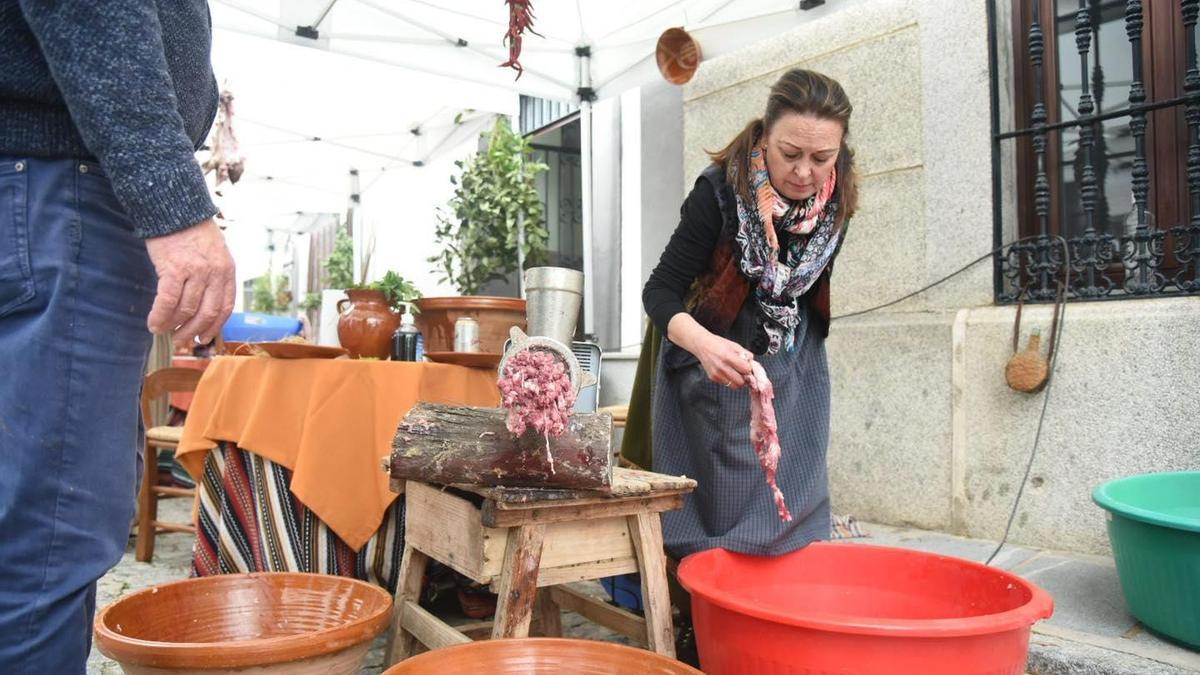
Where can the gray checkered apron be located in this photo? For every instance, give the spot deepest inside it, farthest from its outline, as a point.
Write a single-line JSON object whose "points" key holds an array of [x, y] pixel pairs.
{"points": [[702, 430]]}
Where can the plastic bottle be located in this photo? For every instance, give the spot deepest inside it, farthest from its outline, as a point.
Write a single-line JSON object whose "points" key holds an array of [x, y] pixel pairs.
{"points": [[405, 339]]}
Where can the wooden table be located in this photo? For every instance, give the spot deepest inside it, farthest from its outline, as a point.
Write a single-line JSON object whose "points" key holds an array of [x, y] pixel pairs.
{"points": [[525, 544]]}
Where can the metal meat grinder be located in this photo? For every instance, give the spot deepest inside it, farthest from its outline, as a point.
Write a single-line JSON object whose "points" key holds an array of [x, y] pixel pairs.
{"points": [[554, 296]]}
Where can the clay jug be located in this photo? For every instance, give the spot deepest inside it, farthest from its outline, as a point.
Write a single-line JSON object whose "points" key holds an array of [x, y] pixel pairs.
{"points": [[366, 323], [1028, 371]]}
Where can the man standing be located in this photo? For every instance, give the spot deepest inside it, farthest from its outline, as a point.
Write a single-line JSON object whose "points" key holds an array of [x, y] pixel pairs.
{"points": [[106, 228]]}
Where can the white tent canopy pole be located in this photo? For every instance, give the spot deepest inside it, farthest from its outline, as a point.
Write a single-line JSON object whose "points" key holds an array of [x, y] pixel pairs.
{"points": [[358, 237], [585, 94]]}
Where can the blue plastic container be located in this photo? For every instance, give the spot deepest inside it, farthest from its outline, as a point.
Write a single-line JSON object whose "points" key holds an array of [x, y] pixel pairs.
{"points": [[625, 590], [255, 327]]}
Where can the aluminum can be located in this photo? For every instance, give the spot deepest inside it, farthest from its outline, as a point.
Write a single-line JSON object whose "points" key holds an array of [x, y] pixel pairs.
{"points": [[466, 334]]}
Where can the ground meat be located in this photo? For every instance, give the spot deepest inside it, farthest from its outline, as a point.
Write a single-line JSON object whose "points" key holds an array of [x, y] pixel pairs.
{"points": [[764, 432], [536, 389]]}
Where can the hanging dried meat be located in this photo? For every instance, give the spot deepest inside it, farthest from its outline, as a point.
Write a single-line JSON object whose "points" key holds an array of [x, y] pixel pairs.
{"points": [[226, 159]]}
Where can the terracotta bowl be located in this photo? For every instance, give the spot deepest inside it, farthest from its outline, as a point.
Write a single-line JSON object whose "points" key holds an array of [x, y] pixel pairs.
{"points": [[280, 622], [678, 55], [496, 316], [541, 656]]}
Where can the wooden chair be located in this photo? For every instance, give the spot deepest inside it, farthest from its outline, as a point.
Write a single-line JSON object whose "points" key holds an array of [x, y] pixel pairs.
{"points": [[160, 383]]}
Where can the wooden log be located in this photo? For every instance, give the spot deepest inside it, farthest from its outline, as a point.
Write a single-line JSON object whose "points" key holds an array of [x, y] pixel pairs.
{"points": [[456, 444]]}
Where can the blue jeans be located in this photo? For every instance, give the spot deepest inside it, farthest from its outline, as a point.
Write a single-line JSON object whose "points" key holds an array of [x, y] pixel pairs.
{"points": [[75, 289]]}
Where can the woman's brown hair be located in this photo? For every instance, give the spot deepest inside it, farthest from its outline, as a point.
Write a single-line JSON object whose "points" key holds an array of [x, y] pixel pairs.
{"points": [[803, 92]]}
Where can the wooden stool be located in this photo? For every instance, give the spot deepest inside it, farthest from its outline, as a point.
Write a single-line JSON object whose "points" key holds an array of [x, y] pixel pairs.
{"points": [[156, 384], [523, 540]]}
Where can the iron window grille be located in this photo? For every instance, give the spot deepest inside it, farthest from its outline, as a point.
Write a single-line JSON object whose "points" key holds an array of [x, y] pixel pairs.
{"points": [[1144, 257]]}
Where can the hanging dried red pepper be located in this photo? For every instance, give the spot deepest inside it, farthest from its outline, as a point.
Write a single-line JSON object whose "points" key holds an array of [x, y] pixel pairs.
{"points": [[520, 19]]}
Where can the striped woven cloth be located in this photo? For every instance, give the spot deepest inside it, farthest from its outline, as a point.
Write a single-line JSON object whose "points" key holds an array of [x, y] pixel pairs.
{"points": [[251, 522], [844, 527]]}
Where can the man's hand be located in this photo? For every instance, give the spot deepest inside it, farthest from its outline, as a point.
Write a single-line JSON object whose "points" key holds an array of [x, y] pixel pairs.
{"points": [[195, 283]]}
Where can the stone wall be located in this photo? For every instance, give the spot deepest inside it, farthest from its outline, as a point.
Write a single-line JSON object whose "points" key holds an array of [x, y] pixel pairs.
{"points": [[925, 432]]}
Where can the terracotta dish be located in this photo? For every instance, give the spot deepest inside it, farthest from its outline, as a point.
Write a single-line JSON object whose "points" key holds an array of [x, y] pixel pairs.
{"points": [[278, 622], [298, 350], [678, 55], [541, 656], [496, 316], [469, 359]]}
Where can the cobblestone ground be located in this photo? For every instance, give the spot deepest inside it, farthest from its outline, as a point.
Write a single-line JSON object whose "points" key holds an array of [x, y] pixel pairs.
{"points": [[172, 561]]}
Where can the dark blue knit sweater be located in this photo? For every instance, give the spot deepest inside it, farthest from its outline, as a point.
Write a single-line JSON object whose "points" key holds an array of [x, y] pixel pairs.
{"points": [[126, 82]]}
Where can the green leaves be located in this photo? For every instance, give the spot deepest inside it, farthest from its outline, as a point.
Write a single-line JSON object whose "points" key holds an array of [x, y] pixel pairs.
{"points": [[478, 230], [399, 291], [339, 266], [311, 301], [272, 295]]}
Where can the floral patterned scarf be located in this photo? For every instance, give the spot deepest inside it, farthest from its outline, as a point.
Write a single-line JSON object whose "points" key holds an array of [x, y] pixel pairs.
{"points": [[815, 234]]}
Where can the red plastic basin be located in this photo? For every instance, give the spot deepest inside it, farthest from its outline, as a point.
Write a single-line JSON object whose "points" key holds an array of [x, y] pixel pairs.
{"points": [[855, 609]]}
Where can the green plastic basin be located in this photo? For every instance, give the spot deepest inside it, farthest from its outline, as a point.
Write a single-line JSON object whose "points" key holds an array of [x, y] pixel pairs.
{"points": [[1154, 527]]}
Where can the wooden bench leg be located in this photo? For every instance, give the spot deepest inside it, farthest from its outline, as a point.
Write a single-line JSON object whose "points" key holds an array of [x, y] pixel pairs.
{"points": [[518, 581], [646, 531], [549, 614], [147, 505], [401, 644]]}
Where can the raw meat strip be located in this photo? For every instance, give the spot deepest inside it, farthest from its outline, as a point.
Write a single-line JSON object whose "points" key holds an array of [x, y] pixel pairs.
{"points": [[764, 432]]}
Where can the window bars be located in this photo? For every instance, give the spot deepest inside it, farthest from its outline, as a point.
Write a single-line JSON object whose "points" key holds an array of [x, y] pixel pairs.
{"points": [[1146, 259]]}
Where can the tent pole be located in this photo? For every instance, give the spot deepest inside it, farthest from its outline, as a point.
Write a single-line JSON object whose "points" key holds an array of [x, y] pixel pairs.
{"points": [[521, 254], [586, 94], [354, 224], [520, 218], [585, 142]]}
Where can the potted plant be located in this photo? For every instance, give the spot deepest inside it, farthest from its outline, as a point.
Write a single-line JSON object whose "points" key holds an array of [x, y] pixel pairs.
{"points": [[494, 220], [337, 275], [371, 313]]}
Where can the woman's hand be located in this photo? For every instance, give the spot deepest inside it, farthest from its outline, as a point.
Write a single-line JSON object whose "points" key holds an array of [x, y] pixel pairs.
{"points": [[724, 361]]}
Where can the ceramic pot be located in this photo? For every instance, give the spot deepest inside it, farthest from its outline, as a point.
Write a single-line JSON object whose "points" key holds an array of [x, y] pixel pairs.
{"points": [[678, 55], [268, 623], [366, 323], [496, 316], [541, 656]]}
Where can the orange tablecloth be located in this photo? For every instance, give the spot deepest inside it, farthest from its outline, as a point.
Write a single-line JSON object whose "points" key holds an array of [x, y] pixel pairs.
{"points": [[329, 421]]}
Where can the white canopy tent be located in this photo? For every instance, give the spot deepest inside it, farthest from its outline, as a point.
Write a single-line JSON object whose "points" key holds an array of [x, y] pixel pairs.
{"points": [[377, 68], [305, 120]]}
